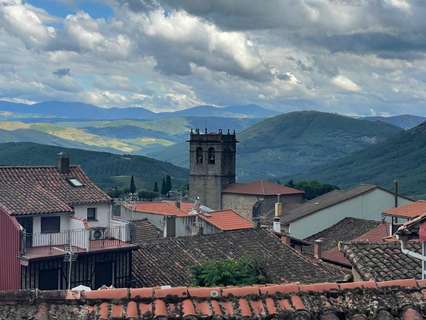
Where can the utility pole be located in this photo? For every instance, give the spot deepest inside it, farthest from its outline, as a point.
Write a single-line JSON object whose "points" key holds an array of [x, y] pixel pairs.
{"points": [[70, 256]]}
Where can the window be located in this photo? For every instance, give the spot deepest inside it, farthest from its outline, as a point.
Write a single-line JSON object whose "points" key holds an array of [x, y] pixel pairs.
{"points": [[91, 214], [199, 155], [212, 157], [50, 224], [75, 182]]}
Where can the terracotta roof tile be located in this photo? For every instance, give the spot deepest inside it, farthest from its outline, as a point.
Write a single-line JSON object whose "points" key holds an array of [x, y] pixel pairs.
{"points": [[32, 190], [382, 261], [357, 300], [410, 211], [226, 220], [261, 187], [345, 230], [167, 208], [169, 261]]}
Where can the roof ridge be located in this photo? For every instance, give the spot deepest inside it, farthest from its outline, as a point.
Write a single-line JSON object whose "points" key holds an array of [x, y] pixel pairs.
{"points": [[151, 293]]}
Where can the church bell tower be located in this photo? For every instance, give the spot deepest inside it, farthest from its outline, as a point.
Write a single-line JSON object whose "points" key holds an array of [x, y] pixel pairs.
{"points": [[212, 165]]}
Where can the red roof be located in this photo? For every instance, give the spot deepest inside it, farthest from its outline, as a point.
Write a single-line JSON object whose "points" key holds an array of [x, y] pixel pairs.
{"points": [[404, 299], [409, 211], [226, 220], [261, 187], [377, 234], [44, 189], [166, 208]]}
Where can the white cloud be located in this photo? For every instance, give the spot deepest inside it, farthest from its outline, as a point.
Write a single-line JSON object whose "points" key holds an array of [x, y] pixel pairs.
{"points": [[345, 83]]}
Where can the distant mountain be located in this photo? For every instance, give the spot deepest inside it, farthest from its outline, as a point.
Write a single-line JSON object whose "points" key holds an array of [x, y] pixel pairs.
{"points": [[106, 169], [78, 110], [238, 111], [74, 110], [400, 157], [404, 121], [295, 142]]}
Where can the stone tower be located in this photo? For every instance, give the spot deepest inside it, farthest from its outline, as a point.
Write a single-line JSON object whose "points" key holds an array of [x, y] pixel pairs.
{"points": [[212, 166]]}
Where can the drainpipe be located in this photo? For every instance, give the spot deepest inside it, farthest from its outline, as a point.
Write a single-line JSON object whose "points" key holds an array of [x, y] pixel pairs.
{"points": [[413, 254]]}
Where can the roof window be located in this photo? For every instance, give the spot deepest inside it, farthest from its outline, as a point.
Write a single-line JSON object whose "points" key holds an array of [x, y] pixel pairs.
{"points": [[75, 182]]}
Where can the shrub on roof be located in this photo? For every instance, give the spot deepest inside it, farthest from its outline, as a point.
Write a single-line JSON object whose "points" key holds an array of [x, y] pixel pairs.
{"points": [[244, 271]]}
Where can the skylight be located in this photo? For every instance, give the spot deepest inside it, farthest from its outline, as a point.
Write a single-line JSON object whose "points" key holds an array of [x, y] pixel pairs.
{"points": [[75, 182]]}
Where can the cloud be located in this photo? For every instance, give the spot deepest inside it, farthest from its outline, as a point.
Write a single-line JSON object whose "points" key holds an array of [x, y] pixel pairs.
{"points": [[62, 72], [331, 55], [345, 83]]}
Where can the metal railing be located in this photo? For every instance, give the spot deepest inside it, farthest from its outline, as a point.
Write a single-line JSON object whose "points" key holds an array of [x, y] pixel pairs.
{"points": [[83, 239]]}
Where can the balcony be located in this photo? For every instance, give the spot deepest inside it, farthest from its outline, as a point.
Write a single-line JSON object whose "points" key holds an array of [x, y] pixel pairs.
{"points": [[38, 245]]}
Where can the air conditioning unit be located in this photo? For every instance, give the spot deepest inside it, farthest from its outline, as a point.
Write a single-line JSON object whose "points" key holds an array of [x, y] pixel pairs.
{"points": [[97, 233]]}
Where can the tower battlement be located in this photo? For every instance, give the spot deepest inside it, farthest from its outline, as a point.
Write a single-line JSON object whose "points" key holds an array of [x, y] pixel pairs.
{"points": [[212, 165]]}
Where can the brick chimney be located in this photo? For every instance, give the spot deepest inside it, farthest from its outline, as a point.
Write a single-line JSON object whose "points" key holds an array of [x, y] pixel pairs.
{"points": [[63, 162], [318, 248]]}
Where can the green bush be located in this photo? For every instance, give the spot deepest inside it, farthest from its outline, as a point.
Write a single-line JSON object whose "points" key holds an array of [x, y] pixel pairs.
{"points": [[244, 271]]}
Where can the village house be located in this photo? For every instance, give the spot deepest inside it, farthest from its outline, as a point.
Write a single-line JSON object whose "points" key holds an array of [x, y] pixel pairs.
{"points": [[363, 202], [212, 180], [178, 219], [399, 215], [54, 217]]}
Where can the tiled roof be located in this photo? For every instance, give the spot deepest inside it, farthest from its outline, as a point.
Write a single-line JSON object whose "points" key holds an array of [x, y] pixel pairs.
{"points": [[382, 261], [145, 231], [410, 228], [409, 211], [261, 187], [167, 208], [401, 299], [169, 261], [223, 219], [345, 230], [31, 190], [324, 201], [226, 220]]}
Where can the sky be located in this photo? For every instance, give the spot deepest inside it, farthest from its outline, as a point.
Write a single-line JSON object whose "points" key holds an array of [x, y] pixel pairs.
{"points": [[355, 57]]}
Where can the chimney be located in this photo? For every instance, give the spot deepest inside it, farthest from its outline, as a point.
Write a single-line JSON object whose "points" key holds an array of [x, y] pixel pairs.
{"points": [[178, 204], [278, 213], [396, 192], [318, 249], [63, 162]]}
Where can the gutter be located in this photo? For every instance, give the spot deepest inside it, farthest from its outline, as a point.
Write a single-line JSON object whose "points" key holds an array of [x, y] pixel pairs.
{"points": [[410, 253]]}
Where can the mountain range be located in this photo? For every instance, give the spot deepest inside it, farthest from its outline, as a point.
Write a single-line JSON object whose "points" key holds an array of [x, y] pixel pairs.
{"points": [[401, 157], [106, 169], [77, 110], [404, 121], [294, 142]]}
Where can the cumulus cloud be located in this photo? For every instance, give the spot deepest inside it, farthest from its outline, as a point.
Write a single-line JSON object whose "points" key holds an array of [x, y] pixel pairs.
{"points": [[332, 55]]}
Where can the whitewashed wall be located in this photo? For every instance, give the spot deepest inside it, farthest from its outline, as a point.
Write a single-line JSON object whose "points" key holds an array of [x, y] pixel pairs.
{"points": [[367, 206], [103, 214]]}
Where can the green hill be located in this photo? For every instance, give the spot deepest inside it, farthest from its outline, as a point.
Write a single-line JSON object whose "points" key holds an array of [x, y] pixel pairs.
{"points": [[401, 157], [294, 142], [106, 169]]}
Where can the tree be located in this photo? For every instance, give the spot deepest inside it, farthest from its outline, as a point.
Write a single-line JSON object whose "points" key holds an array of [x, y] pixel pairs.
{"points": [[147, 195], [163, 187], [168, 183], [132, 188], [244, 271], [155, 187], [312, 189]]}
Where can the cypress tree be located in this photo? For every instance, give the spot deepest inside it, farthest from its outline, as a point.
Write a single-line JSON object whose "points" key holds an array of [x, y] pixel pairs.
{"points": [[132, 185], [163, 187], [168, 183], [155, 187]]}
